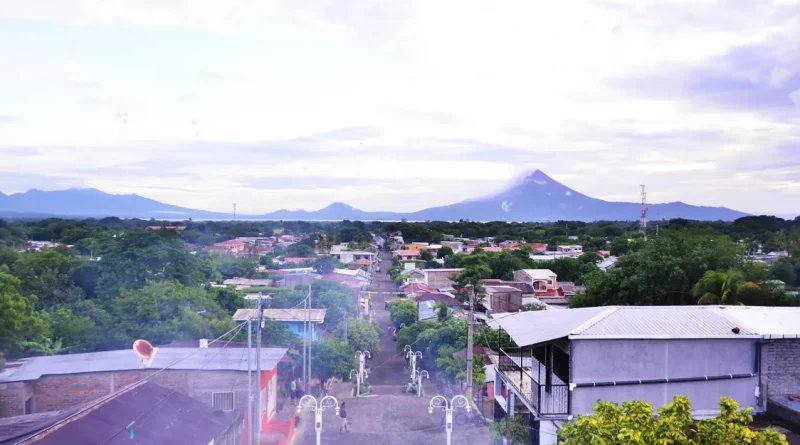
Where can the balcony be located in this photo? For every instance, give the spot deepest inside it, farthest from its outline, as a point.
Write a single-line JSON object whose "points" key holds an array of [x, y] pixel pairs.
{"points": [[543, 391]]}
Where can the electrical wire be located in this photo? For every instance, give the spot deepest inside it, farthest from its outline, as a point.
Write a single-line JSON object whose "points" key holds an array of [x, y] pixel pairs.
{"points": [[104, 399], [141, 416]]}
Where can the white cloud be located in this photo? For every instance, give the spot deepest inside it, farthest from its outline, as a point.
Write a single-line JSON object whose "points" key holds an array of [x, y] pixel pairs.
{"points": [[472, 91]]}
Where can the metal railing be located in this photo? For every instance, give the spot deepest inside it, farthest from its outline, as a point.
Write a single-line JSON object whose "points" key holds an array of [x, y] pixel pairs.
{"points": [[547, 400]]}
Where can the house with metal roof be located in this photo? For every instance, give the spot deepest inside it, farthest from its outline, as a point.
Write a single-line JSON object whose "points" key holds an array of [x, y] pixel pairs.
{"points": [[567, 360], [292, 318]]}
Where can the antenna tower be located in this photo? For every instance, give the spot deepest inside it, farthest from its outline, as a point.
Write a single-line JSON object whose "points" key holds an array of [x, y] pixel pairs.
{"points": [[643, 213]]}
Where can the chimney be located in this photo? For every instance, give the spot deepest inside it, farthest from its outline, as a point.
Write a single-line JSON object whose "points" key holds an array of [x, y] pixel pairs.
{"points": [[204, 343]]}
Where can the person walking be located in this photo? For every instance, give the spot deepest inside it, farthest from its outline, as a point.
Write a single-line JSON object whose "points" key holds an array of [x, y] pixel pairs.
{"points": [[300, 388], [343, 415], [293, 390], [324, 388]]}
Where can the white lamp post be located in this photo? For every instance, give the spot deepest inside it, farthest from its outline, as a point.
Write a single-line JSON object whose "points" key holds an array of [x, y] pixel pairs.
{"points": [[458, 401], [413, 356], [358, 381], [361, 374], [419, 381], [310, 402]]}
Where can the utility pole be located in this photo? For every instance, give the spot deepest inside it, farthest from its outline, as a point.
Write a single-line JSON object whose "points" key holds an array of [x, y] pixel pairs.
{"points": [[250, 415], [643, 214], [469, 342], [305, 337], [311, 326], [258, 363]]}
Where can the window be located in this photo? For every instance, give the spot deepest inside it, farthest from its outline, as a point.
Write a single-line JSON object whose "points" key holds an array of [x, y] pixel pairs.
{"points": [[222, 400], [29, 406]]}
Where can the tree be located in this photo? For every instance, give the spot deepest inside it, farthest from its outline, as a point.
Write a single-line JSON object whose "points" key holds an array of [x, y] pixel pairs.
{"points": [[336, 298], [426, 256], [533, 307], [299, 250], [403, 312], [520, 430], [634, 424], [471, 276], [442, 312], [45, 346], [228, 298], [362, 335], [445, 251], [332, 358], [46, 275], [784, 271], [325, 265], [18, 321], [718, 287]]}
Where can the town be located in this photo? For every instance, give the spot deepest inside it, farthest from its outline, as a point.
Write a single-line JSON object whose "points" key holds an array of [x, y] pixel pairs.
{"points": [[509, 339]]}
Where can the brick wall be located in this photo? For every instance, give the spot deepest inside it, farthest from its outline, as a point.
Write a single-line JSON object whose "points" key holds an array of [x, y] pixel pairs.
{"points": [[54, 392], [780, 367]]}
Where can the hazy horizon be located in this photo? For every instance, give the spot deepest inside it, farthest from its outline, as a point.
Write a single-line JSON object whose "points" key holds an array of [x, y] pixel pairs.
{"points": [[400, 106]]}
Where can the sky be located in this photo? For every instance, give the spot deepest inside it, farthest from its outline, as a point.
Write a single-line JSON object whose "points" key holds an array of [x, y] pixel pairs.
{"points": [[402, 105]]}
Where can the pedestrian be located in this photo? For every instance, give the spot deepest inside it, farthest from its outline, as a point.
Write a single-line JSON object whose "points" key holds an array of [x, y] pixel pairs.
{"points": [[343, 415], [293, 390], [300, 388], [324, 388]]}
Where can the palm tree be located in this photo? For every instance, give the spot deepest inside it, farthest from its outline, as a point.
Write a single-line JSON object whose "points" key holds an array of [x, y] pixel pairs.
{"points": [[718, 287]]}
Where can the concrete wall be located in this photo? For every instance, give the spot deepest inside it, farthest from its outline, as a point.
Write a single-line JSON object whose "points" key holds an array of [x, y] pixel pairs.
{"points": [[780, 367], [617, 360], [55, 392]]}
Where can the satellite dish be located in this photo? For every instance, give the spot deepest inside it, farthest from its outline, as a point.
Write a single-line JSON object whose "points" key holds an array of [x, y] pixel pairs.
{"points": [[143, 349]]}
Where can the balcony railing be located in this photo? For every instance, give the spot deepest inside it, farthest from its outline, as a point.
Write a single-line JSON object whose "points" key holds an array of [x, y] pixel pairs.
{"points": [[528, 377]]}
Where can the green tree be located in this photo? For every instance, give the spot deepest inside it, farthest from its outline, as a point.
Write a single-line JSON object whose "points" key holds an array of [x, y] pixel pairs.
{"points": [[634, 424], [403, 312], [426, 256], [520, 433], [228, 298], [445, 251], [45, 346], [718, 287], [46, 275], [18, 321], [169, 311], [332, 358], [299, 250], [442, 312], [90, 329], [325, 265], [362, 335]]}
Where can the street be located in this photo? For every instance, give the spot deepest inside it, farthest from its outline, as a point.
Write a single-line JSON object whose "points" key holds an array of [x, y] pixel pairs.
{"points": [[387, 416]]}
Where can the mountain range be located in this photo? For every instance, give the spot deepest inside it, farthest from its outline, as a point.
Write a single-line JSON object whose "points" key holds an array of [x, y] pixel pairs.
{"points": [[536, 197]]}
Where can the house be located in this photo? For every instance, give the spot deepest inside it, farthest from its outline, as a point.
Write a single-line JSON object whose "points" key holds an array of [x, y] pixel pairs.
{"points": [[439, 278], [419, 247], [244, 283], [293, 319], [455, 245], [407, 255], [292, 280], [148, 412], [541, 279], [298, 260], [173, 228], [439, 297], [603, 253], [232, 247], [500, 298], [493, 249], [217, 377], [346, 256], [567, 360], [538, 247], [572, 249], [40, 246], [607, 263], [415, 289]]}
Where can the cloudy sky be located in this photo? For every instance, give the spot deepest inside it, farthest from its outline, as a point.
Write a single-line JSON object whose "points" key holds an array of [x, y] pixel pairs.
{"points": [[401, 105]]}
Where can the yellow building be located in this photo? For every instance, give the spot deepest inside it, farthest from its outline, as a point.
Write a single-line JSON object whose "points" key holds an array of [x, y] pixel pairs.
{"points": [[415, 246]]}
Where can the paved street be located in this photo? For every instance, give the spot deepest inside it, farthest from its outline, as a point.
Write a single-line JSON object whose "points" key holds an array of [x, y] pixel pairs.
{"points": [[387, 416]]}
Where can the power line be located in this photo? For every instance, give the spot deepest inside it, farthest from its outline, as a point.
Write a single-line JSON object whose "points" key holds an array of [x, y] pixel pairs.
{"points": [[133, 422], [104, 399]]}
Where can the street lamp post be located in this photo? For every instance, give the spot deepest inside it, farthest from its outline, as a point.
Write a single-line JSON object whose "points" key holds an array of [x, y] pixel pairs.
{"points": [[457, 401], [419, 381], [361, 374], [358, 381], [318, 407], [413, 356]]}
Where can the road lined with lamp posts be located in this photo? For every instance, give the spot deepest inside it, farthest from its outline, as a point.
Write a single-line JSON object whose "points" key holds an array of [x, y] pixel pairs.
{"points": [[387, 415]]}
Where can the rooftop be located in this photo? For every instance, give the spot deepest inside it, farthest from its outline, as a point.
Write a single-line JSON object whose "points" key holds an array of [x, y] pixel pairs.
{"points": [[492, 288], [651, 322], [316, 315], [407, 253], [539, 274], [126, 360], [161, 415]]}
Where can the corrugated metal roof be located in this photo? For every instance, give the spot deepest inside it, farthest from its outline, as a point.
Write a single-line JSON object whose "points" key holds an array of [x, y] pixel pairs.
{"points": [[126, 360], [769, 322], [662, 322], [652, 322], [530, 328], [539, 274], [315, 315]]}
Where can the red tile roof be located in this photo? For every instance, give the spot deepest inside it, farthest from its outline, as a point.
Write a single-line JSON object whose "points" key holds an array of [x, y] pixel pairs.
{"points": [[418, 287], [230, 242]]}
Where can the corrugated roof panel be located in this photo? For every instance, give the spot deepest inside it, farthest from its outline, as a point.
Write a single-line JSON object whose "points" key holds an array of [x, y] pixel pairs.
{"points": [[127, 360], [664, 322], [769, 322], [530, 328]]}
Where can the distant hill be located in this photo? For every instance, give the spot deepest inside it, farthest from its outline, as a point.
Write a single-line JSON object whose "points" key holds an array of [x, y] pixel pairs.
{"points": [[536, 197]]}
